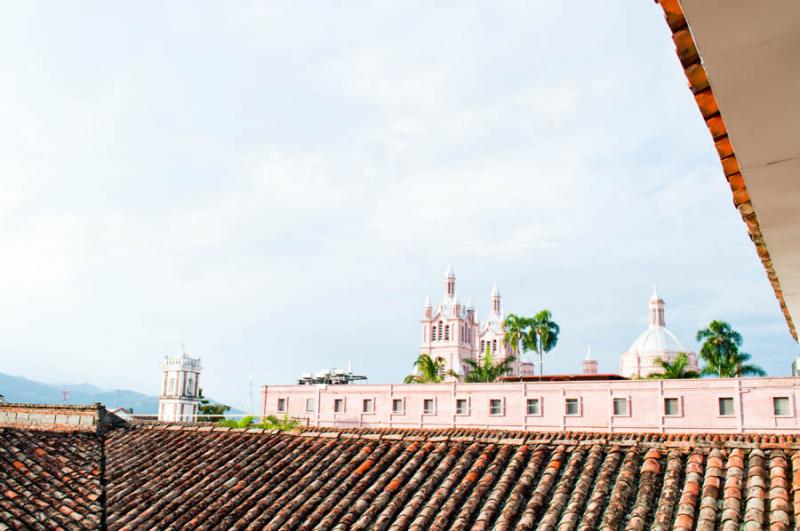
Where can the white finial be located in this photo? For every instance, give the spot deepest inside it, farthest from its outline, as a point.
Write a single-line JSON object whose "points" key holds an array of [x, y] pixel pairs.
{"points": [[469, 303], [655, 296], [450, 273], [495, 291], [588, 353], [428, 301]]}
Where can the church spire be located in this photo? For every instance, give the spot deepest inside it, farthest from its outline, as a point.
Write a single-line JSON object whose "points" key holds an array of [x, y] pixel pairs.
{"points": [[450, 282], [656, 310], [495, 299]]}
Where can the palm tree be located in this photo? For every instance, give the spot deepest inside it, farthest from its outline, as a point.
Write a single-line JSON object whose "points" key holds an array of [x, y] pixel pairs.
{"points": [[542, 336], [427, 370], [487, 370], [514, 328], [720, 351], [675, 369]]}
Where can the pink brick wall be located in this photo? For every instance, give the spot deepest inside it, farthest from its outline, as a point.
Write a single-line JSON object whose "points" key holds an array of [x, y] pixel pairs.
{"points": [[698, 407]]}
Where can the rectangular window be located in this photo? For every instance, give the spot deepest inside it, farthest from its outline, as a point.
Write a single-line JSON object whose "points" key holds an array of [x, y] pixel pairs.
{"points": [[428, 406], [462, 406], [620, 407], [367, 406], [338, 405], [726, 407], [397, 406], [672, 407], [311, 405], [533, 406], [780, 406], [573, 407], [495, 406], [281, 405]]}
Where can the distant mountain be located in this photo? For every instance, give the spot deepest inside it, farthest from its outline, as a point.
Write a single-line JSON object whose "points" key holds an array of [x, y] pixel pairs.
{"points": [[20, 389]]}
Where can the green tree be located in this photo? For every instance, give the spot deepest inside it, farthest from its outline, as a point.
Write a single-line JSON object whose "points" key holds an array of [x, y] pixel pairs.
{"points": [[675, 369], [542, 336], [720, 351], [243, 422], [427, 370], [210, 412], [514, 329], [271, 422], [486, 370]]}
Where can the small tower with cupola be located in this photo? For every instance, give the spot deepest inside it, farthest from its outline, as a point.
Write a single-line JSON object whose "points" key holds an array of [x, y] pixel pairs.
{"points": [[180, 389]]}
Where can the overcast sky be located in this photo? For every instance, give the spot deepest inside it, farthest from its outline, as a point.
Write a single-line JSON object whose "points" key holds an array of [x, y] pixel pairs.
{"points": [[280, 185]]}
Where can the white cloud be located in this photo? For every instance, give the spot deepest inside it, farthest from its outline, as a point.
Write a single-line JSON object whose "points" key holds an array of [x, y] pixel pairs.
{"points": [[281, 188]]}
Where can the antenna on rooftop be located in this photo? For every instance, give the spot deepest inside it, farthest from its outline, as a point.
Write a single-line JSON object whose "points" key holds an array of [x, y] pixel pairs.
{"points": [[64, 396], [250, 383]]}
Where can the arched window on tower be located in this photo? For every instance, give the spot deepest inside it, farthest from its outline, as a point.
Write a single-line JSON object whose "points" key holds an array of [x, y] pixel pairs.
{"points": [[494, 345], [433, 333], [483, 345], [447, 333], [439, 334]]}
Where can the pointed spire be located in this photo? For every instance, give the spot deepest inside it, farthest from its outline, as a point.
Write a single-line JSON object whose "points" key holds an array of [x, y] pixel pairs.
{"points": [[654, 296], [655, 310], [428, 302], [495, 299], [588, 353], [470, 305], [450, 282]]}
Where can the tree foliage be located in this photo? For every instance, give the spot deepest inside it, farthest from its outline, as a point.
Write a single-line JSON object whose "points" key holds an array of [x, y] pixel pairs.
{"points": [[427, 370], [675, 369], [720, 351], [270, 422], [208, 411], [486, 370]]}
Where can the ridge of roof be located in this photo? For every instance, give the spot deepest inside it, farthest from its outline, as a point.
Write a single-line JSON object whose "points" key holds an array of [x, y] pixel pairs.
{"points": [[787, 441], [701, 88]]}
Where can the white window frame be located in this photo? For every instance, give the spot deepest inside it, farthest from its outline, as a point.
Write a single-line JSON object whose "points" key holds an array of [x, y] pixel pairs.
{"points": [[313, 403], [627, 400], [502, 412], [402, 406], [343, 402], [790, 410], [719, 407], [579, 400], [469, 406], [540, 400], [680, 406], [285, 405], [371, 400], [429, 413]]}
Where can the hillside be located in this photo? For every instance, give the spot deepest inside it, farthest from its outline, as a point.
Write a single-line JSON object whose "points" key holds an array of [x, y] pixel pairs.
{"points": [[20, 389]]}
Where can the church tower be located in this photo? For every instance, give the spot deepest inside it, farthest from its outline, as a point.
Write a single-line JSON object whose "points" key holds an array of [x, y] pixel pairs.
{"points": [[589, 364], [450, 329], [180, 389]]}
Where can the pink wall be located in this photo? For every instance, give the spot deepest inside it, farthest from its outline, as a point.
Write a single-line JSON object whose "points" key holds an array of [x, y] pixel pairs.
{"points": [[697, 404]]}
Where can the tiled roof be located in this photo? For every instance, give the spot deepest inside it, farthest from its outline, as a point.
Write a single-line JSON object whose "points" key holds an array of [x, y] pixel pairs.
{"points": [[701, 88], [173, 477], [50, 480]]}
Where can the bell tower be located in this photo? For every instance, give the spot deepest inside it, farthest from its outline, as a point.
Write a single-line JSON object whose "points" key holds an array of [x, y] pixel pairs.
{"points": [[180, 389]]}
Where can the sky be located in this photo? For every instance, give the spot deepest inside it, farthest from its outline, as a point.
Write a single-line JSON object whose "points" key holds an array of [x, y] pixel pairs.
{"points": [[279, 185]]}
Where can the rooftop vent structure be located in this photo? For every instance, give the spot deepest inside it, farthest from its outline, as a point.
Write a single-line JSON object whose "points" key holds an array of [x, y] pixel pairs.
{"points": [[330, 376]]}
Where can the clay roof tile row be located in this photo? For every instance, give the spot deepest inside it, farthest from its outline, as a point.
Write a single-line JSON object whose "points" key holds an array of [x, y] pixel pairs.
{"points": [[154, 477]]}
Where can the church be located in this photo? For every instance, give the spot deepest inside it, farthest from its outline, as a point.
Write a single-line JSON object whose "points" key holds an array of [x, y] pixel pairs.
{"points": [[453, 332]]}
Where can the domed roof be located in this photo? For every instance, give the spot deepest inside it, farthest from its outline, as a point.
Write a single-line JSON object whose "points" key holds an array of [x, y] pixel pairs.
{"points": [[656, 340]]}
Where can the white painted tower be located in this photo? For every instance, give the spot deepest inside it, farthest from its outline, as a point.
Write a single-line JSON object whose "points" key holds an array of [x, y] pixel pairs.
{"points": [[180, 389]]}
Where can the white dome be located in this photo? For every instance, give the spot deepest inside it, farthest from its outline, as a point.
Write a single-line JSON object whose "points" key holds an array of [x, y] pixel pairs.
{"points": [[656, 340]]}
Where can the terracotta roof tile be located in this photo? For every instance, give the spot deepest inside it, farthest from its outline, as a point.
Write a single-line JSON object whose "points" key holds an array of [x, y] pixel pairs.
{"points": [[186, 478]]}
